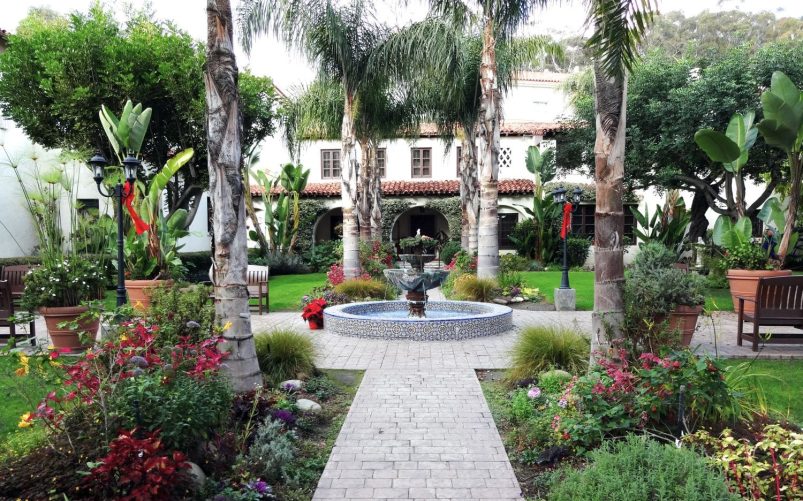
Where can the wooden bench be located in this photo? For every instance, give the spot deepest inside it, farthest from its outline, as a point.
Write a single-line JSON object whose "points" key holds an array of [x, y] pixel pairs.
{"points": [[7, 310], [778, 303], [258, 278], [15, 276]]}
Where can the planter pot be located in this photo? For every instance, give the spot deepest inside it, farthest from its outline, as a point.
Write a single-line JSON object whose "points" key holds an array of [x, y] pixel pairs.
{"points": [[66, 338], [314, 325], [139, 292], [684, 319], [745, 283]]}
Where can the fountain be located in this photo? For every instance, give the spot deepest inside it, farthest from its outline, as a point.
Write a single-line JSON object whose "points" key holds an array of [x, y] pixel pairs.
{"points": [[417, 318]]}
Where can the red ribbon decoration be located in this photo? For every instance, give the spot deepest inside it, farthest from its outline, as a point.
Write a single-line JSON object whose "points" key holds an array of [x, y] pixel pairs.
{"points": [[566, 225], [128, 198]]}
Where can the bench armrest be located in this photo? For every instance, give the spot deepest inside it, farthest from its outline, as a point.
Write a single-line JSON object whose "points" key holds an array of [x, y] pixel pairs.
{"points": [[745, 298]]}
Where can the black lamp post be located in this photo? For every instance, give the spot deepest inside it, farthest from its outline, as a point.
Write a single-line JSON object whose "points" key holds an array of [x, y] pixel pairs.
{"points": [[130, 164], [559, 196]]}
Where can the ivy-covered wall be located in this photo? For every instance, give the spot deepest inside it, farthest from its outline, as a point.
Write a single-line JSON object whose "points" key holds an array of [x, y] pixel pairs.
{"points": [[310, 209], [391, 209], [450, 208]]}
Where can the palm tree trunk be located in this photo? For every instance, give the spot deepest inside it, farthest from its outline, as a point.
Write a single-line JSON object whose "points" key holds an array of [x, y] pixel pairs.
{"points": [[609, 218], [364, 191], [469, 192], [376, 196], [348, 187], [227, 197], [796, 170], [488, 141]]}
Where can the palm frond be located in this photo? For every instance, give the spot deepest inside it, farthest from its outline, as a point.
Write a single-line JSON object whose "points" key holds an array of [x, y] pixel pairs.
{"points": [[619, 26]]}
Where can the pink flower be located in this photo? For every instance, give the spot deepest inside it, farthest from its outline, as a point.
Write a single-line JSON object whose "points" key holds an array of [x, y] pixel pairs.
{"points": [[534, 392]]}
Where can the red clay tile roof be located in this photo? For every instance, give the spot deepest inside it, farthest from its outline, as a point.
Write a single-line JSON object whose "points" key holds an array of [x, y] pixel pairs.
{"points": [[507, 128], [412, 188]]}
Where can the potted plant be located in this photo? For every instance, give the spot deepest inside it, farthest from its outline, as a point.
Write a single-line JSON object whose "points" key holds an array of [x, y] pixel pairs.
{"points": [[313, 313], [656, 292], [59, 290], [151, 246]]}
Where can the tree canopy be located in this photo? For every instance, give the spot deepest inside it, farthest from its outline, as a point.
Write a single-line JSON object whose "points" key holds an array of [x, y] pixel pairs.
{"points": [[669, 100], [57, 71]]}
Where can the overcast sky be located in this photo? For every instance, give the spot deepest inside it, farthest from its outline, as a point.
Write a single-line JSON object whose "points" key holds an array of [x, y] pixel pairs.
{"points": [[287, 68]]}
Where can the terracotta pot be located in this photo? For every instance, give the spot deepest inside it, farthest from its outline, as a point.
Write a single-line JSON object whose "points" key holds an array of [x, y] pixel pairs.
{"points": [[745, 283], [314, 324], [65, 337], [139, 292], [684, 319]]}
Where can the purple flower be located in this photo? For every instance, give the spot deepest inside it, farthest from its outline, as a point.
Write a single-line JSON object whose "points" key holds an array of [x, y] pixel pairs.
{"points": [[284, 415], [259, 486], [534, 392], [192, 324], [562, 403], [515, 291], [138, 361]]}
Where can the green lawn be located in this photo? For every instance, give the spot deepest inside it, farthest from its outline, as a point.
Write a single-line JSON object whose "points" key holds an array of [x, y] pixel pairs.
{"points": [[780, 382], [583, 282]]}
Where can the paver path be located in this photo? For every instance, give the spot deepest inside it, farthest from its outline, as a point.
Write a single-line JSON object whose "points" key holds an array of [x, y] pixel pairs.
{"points": [[419, 434]]}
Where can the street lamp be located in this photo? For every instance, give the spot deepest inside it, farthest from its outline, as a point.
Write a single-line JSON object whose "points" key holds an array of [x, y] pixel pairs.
{"points": [[559, 196], [130, 165]]}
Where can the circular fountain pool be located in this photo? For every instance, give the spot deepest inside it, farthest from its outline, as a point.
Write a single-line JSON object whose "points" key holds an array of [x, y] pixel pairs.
{"points": [[445, 320]]}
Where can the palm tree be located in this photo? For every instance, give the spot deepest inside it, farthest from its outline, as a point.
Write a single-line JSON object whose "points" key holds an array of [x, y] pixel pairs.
{"points": [[618, 27], [440, 63], [339, 40], [227, 196]]}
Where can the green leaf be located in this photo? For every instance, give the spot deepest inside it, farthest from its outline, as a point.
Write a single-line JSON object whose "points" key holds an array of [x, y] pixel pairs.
{"points": [[736, 131], [718, 146], [722, 228], [776, 134], [139, 126], [743, 229], [109, 123], [160, 180], [783, 87], [122, 127]]}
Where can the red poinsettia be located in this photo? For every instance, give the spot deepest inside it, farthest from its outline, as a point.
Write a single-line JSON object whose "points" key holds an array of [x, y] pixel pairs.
{"points": [[314, 310]]}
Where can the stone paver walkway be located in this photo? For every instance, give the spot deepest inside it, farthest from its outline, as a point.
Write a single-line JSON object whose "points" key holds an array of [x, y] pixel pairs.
{"points": [[419, 434]]}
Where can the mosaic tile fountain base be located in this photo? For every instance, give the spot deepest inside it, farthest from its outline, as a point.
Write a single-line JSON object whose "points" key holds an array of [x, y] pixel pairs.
{"points": [[473, 320]]}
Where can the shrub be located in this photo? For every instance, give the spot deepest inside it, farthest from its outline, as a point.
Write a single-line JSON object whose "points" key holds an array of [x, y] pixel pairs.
{"points": [[639, 468], [449, 250], [322, 387], [360, 288], [282, 263], [271, 452], [746, 256], [717, 272], [375, 257], [463, 262], [765, 469], [577, 249], [471, 288], [511, 279], [653, 256], [523, 238], [67, 282], [185, 410], [197, 264], [554, 381], [181, 311], [513, 262], [284, 354], [321, 257], [335, 275], [548, 347]]}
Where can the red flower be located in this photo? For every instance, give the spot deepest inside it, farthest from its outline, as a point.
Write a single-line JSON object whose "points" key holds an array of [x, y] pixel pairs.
{"points": [[314, 309]]}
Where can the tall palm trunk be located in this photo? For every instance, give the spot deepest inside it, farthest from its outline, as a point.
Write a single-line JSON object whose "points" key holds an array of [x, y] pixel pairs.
{"points": [[348, 191], [609, 220], [364, 191], [488, 142], [227, 197], [469, 192], [796, 179], [376, 196]]}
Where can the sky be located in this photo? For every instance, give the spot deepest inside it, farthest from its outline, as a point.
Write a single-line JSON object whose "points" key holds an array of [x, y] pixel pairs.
{"points": [[289, 68]]}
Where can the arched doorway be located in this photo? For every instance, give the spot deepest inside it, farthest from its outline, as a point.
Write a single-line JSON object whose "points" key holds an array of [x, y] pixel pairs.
{"points": [[329, 226], [430, 221]]}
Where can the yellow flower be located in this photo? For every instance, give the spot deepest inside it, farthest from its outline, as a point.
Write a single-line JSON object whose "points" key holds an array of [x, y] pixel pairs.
{"points": [[227, 326], [25, 421], [23, 369], [51, 347], [123, 338]]}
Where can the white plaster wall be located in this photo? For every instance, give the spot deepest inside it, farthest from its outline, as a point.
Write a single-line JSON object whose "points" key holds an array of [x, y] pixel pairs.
{"points": [[535, 101]]}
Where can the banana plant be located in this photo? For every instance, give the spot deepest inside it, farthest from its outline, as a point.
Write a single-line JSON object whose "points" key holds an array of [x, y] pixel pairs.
{"points": [[782, 127], [126, 133], [542, 165], [731, 149], [282, 218]]}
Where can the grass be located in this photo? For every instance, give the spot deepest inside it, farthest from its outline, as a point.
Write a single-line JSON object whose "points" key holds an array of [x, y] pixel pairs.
{"points": [[779, 381], [285, 291]]}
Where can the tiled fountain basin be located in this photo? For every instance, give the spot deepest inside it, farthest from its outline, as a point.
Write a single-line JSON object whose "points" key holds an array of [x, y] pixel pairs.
{"points": [[447, 320]]}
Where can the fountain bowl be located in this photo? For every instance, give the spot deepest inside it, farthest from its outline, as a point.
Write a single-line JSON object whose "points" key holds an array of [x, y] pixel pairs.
{"points": [[445, 321]]}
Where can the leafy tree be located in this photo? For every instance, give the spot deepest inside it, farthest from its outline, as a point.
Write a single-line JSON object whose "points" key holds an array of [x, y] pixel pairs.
{"points": [[669, 100], [57, 71]]}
